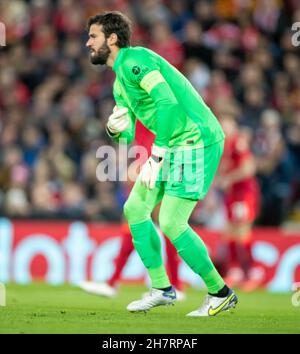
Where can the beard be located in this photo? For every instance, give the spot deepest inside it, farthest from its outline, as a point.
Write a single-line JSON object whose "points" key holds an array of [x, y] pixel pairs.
{"points": [[100, 57]]}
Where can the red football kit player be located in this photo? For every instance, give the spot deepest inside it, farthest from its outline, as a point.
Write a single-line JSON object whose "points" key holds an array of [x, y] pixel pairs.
{"points": [[241, 198], [241, 190]]}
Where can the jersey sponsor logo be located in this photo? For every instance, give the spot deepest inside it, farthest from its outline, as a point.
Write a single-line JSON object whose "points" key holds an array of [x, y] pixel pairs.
{"points": [[136, 70], [240, 210]]}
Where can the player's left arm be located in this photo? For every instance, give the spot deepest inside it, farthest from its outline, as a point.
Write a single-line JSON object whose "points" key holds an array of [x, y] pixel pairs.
{"points": [[144, 71], [167, 107]]}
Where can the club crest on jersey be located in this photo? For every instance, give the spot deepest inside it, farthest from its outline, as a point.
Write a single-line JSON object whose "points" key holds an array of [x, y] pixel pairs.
{"points": [[136, 70]]}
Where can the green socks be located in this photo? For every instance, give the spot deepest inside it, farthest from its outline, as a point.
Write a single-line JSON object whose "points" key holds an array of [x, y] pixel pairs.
{"points": [[190, 247], [194, 252], [147, 244]]}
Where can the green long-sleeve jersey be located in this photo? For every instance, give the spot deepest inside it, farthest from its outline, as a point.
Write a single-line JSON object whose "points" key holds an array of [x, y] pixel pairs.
{"points": [[159, 96]]}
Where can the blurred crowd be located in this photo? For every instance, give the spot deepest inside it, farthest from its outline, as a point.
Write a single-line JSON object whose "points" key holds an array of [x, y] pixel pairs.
{"points": [[238, 54]]}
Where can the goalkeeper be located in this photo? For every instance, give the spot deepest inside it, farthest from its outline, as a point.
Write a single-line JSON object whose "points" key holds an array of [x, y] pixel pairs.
{"points": [[185, 156]]}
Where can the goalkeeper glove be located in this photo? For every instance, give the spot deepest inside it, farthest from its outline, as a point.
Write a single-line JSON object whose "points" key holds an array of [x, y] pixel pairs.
{"points": [[118, 121], [151, 168]]}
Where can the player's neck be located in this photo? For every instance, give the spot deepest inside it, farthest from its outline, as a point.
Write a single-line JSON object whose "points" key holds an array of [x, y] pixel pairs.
{"points": [[112, 57]]}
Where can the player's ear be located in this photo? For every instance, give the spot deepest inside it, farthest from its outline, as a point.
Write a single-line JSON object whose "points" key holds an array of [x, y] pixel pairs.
{"points": [[112, 39]]}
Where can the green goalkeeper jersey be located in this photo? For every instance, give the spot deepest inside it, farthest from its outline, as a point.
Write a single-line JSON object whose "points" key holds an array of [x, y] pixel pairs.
{"points": [[165, 102]]}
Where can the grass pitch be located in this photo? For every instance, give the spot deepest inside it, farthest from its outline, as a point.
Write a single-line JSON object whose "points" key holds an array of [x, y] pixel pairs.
{"points": [[41, 308]]}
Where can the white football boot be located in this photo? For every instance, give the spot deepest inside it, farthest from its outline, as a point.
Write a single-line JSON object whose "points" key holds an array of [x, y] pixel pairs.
{"points": [[180, 295], [101, 289], [213, 305], [154, 298]]}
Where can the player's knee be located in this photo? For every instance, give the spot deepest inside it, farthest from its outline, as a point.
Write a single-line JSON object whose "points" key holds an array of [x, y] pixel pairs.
{"points": [[167, 226], [170, 227], [134, 212], [128, 210]]}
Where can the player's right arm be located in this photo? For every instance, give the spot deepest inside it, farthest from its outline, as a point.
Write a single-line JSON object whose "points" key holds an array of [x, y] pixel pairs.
{"points": [[126, 136]]}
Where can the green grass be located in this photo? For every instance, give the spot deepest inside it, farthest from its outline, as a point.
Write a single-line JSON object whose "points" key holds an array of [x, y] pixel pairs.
{"points": [[40, 308]]}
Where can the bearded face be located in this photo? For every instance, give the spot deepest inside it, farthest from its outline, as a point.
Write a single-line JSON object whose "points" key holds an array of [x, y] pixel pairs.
{"points": [[98, 45], [100, 56]]}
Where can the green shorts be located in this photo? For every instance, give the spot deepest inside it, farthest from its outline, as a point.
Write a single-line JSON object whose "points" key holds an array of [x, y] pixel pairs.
{"points": [[189, 173]]}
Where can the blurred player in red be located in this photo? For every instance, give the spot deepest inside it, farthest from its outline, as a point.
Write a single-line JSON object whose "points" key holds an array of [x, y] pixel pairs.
{"points": [[109, 288], [241, 197]]}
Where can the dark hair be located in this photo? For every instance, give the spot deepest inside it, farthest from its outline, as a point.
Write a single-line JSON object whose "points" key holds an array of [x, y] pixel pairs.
{"points": [[114, 22]]}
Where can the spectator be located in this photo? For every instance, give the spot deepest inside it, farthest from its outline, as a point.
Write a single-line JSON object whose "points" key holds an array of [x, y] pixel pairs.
{"points": [[193, 44], [164, 43], [293, 140], [274, 167]]}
